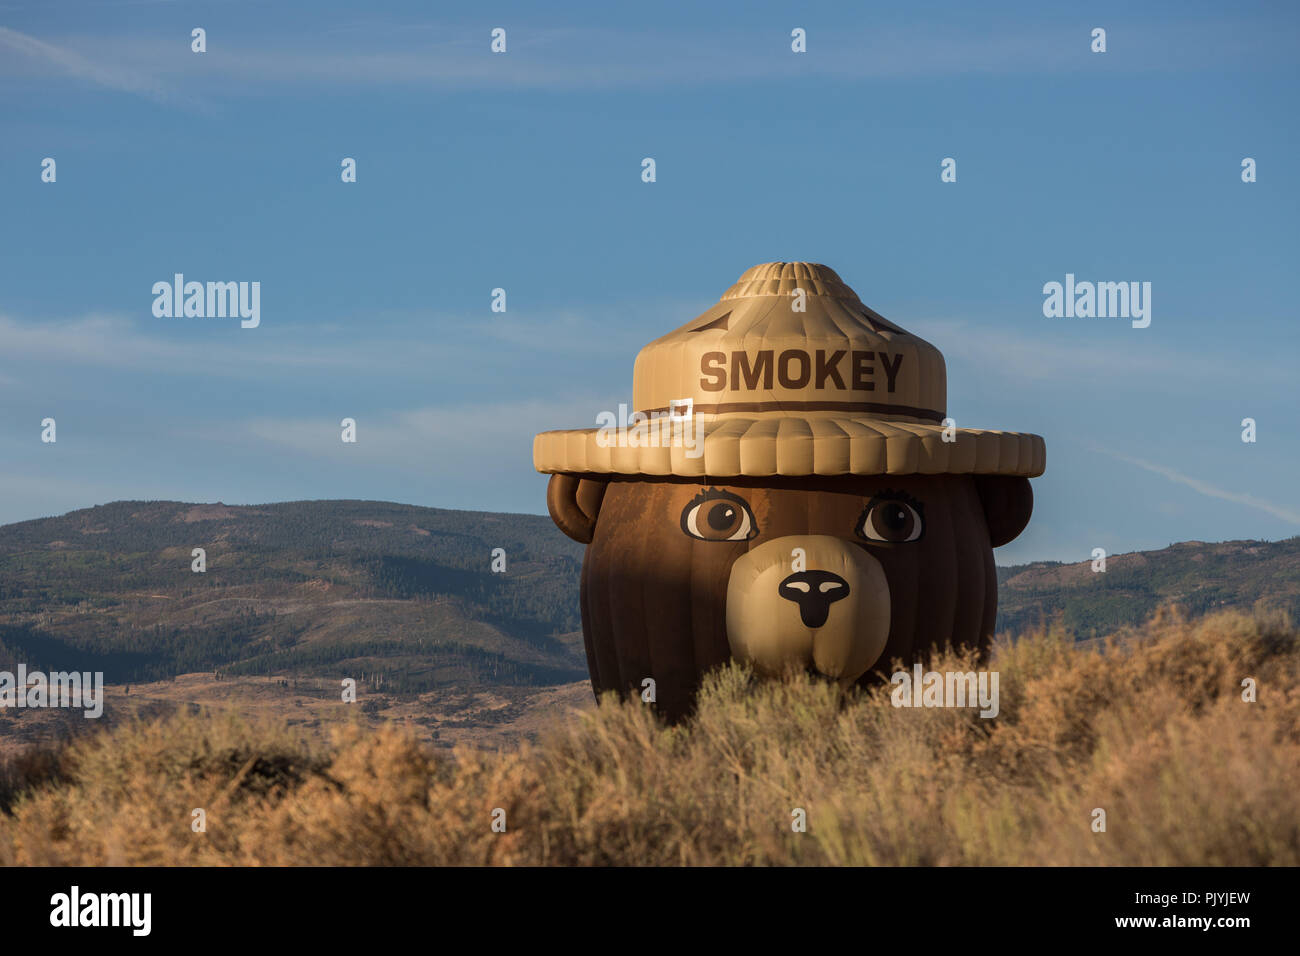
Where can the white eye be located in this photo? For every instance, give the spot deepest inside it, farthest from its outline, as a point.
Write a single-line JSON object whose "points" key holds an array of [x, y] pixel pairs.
{"points": [[718, 516], [891, 519]]}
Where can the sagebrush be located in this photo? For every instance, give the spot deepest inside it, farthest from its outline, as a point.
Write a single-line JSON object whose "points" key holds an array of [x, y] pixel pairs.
{"points": [[1151, 727]]}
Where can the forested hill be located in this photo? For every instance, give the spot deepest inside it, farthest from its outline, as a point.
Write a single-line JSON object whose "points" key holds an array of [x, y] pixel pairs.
{"points": [[405, 594], [1199, 576]]}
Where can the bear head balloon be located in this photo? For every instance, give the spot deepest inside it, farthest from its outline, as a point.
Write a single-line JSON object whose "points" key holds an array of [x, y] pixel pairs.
{"points": [[789, 491]]}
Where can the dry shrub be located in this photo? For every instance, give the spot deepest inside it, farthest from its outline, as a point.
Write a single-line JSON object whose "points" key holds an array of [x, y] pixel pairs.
{"points": [[1150, 727]]}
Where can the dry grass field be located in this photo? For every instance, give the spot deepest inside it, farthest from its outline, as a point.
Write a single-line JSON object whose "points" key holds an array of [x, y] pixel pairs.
{"points": [[1150, 726], [481, 717]]}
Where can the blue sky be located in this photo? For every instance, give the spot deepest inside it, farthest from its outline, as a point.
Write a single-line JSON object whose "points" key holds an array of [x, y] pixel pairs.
{"points": [[522, 171]]}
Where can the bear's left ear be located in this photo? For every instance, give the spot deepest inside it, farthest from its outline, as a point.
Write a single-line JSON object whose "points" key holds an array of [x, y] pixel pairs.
{"points": [[574, 504], [1008, 502]]}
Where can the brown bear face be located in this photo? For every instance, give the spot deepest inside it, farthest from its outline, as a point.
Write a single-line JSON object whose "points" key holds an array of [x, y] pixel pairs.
{"points": [[830, 574]]}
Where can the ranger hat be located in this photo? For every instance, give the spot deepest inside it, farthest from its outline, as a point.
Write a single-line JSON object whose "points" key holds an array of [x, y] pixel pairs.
{"points": [[788, 375]]}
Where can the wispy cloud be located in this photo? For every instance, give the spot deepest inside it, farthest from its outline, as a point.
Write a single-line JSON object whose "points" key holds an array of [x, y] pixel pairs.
{"points": [[457, 56], [396, 341], [447, 440], [45, 491], [1210, 491], [106, 340], [1039, 357], [411, 343], [40, 56]]}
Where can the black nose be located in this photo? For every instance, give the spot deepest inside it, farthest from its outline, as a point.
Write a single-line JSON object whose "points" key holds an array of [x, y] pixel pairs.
{"points": [[814, 592]]}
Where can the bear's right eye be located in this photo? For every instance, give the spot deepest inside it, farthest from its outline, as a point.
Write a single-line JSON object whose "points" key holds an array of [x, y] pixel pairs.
{"points": [[716, 515], [892, 516]]}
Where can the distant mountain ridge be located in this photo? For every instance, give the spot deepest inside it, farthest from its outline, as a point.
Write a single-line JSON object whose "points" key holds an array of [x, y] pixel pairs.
{"points": [[404, 597], [402, 594], [1199, 576]]}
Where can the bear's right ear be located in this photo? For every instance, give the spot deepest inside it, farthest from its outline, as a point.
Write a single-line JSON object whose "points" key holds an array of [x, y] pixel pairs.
{"points": [[1008, 502], [574, 504]]}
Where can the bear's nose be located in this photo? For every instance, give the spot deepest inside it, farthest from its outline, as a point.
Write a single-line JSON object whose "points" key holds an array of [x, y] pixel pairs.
{"points": [[814, 592]]}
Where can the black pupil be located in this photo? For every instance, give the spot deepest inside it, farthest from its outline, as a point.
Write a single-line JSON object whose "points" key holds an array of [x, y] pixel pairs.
{"points": [[894, 517], [722, 517]]}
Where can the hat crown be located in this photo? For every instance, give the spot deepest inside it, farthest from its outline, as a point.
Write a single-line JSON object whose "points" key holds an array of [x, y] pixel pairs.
{"points": [[792, 338], [782, 278]]}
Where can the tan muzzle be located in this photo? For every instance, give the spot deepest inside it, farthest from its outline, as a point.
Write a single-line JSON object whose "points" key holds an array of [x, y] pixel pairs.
{"points": [[808, 601]]}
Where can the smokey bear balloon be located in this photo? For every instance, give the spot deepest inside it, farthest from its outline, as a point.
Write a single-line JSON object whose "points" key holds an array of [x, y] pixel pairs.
{"points": [[788, 492]]}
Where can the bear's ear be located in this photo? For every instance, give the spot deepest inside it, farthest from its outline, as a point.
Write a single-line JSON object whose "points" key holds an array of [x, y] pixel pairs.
{"points": [[1008, 502], [574, 504]]}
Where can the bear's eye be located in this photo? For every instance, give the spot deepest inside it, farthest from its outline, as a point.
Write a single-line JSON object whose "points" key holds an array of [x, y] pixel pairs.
{"points": [[891, 516], [715, 515]]}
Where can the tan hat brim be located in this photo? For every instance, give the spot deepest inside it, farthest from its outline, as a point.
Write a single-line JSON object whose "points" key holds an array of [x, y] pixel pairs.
{"points": [[798, 447]]}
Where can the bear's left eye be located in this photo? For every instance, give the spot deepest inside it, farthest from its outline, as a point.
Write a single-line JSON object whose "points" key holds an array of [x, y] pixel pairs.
{"points": [[892, 516], [716, 515]]}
